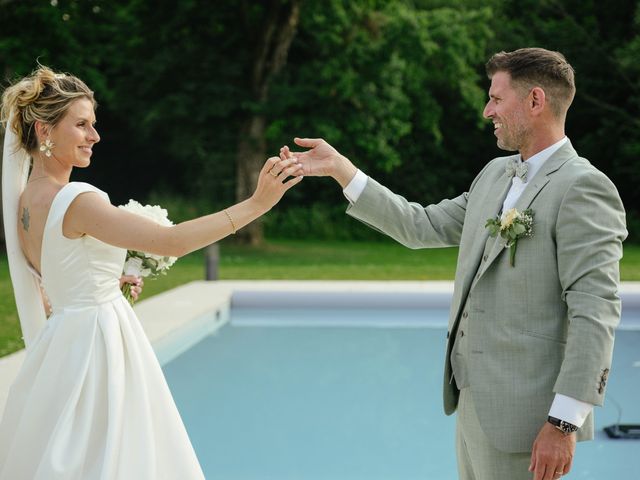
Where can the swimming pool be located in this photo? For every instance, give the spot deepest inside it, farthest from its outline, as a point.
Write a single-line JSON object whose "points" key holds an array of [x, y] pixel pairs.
{"points": [[342, 386]]}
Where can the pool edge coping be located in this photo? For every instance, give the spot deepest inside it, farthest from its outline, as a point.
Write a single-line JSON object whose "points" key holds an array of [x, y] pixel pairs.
{"points": [[201, 307]]}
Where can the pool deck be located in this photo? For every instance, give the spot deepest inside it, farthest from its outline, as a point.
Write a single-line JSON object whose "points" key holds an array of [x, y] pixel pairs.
{"points": [[177, 319]]}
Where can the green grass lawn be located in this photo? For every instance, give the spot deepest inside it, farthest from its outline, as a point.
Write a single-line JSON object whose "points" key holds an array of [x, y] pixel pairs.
{"points": [[288, 259]]}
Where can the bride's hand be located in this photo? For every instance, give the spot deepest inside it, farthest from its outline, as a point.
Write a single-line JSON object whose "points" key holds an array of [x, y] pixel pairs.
{"points": [[136, 285], [273, 183]]}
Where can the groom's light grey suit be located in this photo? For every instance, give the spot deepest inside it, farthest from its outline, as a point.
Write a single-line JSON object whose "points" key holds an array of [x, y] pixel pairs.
{"points": [[542, 327]]}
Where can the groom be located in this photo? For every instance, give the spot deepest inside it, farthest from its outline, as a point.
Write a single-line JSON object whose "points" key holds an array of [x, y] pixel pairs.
{"points": [[529, 344]]}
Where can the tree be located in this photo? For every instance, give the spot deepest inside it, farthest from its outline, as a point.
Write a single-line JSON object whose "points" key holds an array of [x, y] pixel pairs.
{"points": [[392, 85], [602, 42], [271, 47]]}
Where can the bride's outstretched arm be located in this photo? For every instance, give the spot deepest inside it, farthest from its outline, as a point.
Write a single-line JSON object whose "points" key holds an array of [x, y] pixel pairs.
{"points": [[90, 214]]}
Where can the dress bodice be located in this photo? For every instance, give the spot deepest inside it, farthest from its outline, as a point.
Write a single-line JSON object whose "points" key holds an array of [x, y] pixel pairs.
{"points": [[90, 400], [82, 271]]}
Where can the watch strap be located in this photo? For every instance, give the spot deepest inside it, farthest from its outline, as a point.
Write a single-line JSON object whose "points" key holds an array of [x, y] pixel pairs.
{"points": [[565, 427]]}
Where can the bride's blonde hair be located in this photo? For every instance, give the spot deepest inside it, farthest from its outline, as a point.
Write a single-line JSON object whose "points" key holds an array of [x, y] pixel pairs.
{"points": [[43, 96]]}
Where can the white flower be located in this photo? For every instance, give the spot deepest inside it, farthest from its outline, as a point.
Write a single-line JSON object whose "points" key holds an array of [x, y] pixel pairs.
{"points": [[152, 212], [133, 266], [511, 226], [160, 216], [144, 264], [508, 217]]}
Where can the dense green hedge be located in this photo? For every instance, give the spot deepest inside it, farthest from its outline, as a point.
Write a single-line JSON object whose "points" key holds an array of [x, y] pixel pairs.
{"points": [[318, 221]]}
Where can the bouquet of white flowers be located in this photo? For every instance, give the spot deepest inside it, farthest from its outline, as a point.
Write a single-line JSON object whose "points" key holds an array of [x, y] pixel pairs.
{"points": [[143, 264]]}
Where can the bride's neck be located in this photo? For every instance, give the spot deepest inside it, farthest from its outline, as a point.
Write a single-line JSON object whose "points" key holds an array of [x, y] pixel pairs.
{"points": [[51, 169]]}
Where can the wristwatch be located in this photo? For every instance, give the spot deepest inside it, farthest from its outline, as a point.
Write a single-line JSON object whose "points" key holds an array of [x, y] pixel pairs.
{"points": [[565, 427]]}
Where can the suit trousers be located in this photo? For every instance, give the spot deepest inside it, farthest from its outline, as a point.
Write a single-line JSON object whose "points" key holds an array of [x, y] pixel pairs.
{"points": [[478, 459]]}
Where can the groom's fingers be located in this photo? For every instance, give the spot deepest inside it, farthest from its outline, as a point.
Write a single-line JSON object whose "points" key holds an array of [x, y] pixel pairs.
{"points": [[285, 153], [552, 472], [538, 471], [543, 472], [539, 468], [548, 469], [293, 169], [283, 168], [308, 142]]}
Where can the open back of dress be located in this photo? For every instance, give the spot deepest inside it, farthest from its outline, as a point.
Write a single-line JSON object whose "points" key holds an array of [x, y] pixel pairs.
{"points": [[90, 401]]}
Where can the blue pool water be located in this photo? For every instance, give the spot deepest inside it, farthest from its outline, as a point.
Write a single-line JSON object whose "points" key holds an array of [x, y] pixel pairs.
{"points": [[344, 394]]}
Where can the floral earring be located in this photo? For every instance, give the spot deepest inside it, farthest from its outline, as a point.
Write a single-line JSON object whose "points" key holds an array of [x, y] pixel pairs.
{"points": [[46, 147]]}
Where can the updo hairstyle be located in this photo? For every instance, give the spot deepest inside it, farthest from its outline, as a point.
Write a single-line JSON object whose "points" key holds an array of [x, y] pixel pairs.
{"points": [[45, 96]]}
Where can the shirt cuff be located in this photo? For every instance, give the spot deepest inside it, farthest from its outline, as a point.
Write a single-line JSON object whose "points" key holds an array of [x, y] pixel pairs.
{"points": [[355, 187], [570, 410]]}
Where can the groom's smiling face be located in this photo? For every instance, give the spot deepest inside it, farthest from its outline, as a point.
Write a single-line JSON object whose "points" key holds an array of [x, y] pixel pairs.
{"points": [[506, 109]]}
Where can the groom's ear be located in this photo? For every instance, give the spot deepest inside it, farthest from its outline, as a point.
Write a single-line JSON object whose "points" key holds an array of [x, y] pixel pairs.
{"points": [[537, 101]]}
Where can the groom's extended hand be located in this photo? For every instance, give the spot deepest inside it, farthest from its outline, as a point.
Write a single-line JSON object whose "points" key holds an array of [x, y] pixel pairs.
{"points": [[321, 160], [552, 453]]}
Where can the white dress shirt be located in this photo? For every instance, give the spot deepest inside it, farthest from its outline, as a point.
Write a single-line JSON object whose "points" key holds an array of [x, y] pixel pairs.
{"points": [[533, 165], [563, 407]]}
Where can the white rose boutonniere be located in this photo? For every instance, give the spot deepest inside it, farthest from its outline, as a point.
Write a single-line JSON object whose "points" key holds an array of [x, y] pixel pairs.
{"points": [[511, 225], [143, 264]]}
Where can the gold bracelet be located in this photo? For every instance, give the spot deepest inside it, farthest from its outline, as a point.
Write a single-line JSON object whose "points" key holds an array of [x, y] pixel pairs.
{"points": [[233, 225]]}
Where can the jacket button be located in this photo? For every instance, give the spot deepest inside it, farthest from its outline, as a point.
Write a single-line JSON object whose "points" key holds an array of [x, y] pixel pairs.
{"points": [[485, 258], [465, 314], [462, 333]]}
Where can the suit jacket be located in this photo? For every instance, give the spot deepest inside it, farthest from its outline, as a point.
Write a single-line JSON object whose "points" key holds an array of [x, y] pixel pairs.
{"points": [[543, 326]]}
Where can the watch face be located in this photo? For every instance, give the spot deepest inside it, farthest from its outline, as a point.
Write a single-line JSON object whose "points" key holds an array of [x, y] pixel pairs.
{"points": [[567, 427]]}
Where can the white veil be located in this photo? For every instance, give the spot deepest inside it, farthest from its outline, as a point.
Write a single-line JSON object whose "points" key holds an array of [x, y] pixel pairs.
{"points": [[15, 169]]}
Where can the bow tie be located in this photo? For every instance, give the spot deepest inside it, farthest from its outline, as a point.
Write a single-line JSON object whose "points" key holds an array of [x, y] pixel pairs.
{"points": [[516, 167]]}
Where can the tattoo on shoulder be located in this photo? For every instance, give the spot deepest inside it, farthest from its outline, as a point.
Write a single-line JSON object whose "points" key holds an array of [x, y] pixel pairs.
{"points": [[25, 219]]}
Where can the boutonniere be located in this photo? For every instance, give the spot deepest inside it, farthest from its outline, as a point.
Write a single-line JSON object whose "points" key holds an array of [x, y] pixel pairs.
{"points": [[511, 225]]}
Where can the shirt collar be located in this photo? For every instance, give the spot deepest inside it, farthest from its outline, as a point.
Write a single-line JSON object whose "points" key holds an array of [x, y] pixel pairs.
{"points": [[536, 161]]}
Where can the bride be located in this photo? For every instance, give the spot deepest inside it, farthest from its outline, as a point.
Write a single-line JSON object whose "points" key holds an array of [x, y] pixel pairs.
{"points": [[90, 401]]}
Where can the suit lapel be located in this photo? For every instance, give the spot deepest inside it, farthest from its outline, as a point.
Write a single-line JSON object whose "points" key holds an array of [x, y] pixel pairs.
{"points": [[535, 186], [492, 205], [493, 201]]}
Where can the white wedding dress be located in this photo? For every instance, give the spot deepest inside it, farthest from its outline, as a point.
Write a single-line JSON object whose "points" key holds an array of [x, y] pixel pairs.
{"points": [[90, 401]]}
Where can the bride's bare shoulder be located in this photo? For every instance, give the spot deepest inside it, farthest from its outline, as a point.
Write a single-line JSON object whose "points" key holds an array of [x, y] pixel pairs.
{"points": [[38, 199]]}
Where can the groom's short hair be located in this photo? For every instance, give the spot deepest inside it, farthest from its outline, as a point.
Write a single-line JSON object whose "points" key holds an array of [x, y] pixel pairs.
{"points": [[538, 67]]}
